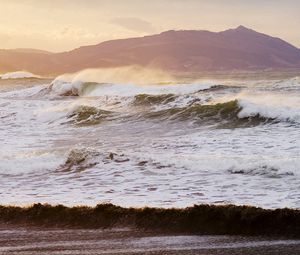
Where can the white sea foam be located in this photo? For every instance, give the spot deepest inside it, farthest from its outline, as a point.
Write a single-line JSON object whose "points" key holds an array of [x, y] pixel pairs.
{"points": [[109, 89], [131, 162], [129, 81], [274, 106], [288, 84], [18, 75]]}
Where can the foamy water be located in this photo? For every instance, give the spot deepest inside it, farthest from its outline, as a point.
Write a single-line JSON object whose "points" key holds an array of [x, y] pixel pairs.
{"points": [[17, 75], [86, 141]]}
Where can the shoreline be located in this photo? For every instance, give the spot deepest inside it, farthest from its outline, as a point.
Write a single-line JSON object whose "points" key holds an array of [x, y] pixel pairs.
{"points": [[38, 241], [197, 220]]}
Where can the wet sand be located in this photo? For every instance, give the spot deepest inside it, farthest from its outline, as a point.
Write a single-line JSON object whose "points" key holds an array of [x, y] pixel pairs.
{"points": [[33, 241]]}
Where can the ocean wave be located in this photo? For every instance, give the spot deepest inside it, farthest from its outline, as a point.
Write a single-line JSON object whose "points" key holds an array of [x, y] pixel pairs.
{"points": [[78, 83], [148, 100], [231, 114], [93, 89], [287, 111], [288, 84], [87, 115], [219, 114], [80, 159], [264, 170], [18, 75], [195, 96], [126, 81], [245, 110]]}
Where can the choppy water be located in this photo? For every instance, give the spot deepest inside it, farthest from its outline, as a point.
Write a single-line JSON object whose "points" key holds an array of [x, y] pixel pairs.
{"points": [[162, 144]]}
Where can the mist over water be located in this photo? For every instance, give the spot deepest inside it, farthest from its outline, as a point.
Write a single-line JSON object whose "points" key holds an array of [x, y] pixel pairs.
{"points": [[137, 137]]}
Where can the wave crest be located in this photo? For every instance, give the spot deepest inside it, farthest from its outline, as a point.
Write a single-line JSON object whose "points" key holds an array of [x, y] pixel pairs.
{"points": [[278, 110], [220, 114], [88, 115], [148, 100], [288, 84], [18, 75]]}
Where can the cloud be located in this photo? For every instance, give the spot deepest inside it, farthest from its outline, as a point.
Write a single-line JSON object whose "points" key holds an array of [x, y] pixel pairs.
{"points": [[134, 24]]}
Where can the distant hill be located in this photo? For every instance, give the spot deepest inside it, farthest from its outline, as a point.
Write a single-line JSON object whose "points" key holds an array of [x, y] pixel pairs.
{"points": [[183, 51], [28, 50], [29, 60]]}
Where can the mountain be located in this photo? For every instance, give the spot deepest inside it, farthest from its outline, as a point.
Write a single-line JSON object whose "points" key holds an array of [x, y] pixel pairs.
{"points": [[30, 60], [184, 51]]}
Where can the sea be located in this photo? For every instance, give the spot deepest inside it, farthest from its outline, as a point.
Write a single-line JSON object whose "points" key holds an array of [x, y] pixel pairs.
{"points": [[136, 137]]}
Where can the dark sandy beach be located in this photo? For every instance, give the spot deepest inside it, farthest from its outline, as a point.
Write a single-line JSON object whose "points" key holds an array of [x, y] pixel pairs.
{"points": [[29, 241], [110, 229]]}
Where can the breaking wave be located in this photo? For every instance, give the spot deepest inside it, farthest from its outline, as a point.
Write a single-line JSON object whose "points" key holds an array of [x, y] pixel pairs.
{"points": [[205, 103], [288, 84], [126, 81], [92, 89], [228, 115], [87, 115], [80, 159], [239, 112], [148, 100], [220, 114], [276, 107], [18, 75]]}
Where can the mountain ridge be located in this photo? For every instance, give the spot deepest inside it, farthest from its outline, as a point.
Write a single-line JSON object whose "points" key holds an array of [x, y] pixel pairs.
{"points": [[240, 48]]}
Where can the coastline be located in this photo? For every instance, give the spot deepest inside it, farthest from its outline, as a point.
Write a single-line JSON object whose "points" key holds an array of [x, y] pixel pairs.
{"points": [[57, 241], [197, 220]]}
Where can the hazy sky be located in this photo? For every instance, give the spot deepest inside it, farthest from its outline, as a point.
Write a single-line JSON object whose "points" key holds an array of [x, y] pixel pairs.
{"points": [[59, 25]]}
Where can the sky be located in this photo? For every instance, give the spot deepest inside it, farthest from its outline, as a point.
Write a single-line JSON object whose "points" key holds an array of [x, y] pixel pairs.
{"points": [[62, 25]]}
